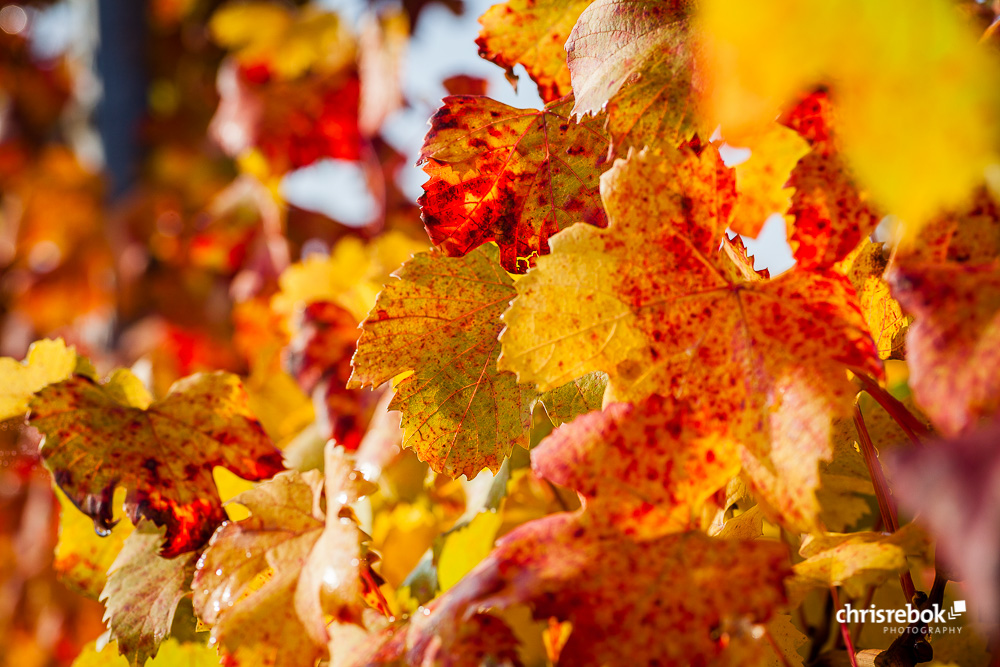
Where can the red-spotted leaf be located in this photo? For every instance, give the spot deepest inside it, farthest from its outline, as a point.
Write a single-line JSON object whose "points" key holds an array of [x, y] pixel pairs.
{"points": [[653, 303], [440, 319], [101, 436], [829, 214], [953, 345], [947, 276], [623, 596], [513, 176], [532, 33], [432, 638], [645, 468], [319, 357]]}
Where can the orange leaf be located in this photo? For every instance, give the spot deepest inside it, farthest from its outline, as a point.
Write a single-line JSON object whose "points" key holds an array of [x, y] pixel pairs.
{"points": [[98, 437], [644, 469], [624, 596], [532, 33], [719, 337]]}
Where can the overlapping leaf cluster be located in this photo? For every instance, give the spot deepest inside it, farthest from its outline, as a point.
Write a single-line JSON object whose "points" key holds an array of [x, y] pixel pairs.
{"points": [[582, 428]]}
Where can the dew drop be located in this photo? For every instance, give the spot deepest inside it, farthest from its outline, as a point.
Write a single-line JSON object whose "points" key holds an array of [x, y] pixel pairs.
{"points": [[218, 572], [249, 555], [101, 530], [355, 562]]}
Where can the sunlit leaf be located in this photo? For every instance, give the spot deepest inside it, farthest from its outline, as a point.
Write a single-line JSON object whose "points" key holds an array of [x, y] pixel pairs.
{"points": [[645, 468], [440, 319], [48, 361], [531, 33], [513, 176], [634, 59], [100, 436]]}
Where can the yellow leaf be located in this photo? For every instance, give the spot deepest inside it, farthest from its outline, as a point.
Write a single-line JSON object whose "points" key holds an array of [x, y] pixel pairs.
{"points": [[918, 95], [82, 557], [401, 537], [172, 654], [858, 560], [290, 43], [351, 276], [465, 547], [48, 361]]}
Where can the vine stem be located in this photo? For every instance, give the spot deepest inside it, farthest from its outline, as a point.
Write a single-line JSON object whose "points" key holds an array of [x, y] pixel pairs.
{"points": [[844, 632], [886, 506], [915, 430]]}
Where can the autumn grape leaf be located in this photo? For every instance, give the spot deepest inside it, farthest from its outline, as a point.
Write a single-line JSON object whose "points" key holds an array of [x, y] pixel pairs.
{"points": [[441, 319], [580, 396], [829, 215], [142, 593], [953, 345], [266, 583], [968, 235], [623, 596], [531, 33], [319, 356], [858, 561], [947, 277], [618, 312], [953, 485], [634, 59], [603, 301], [748, 525], [756, 57], [645, 468], [513, 176], [885, 318], [480, 639], [48, 361], [100, 436]]}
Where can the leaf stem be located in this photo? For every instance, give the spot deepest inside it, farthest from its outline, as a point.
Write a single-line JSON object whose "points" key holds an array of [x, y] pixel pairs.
{"points": [[777, 649], [886, 506], [845, 633], [559, 498], [915, 430]]}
